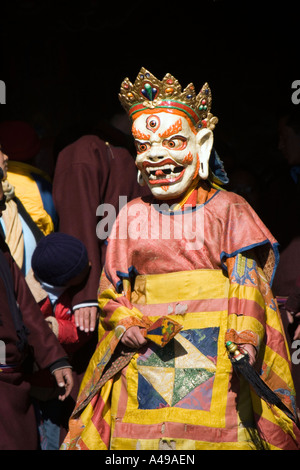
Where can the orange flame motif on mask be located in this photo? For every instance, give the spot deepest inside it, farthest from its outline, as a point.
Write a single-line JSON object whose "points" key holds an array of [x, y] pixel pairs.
{"points": [[176, 127], [188, 158], [139, 135]]}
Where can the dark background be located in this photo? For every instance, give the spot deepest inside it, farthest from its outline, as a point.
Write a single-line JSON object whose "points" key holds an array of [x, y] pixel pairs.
{"points": [[63, 63]]}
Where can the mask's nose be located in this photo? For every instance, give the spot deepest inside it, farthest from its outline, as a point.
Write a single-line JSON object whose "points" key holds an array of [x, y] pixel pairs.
{"points": [[157, 153]]}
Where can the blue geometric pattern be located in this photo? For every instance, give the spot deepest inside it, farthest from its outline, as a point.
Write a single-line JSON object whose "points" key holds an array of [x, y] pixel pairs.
{"points": [[181, 374]]}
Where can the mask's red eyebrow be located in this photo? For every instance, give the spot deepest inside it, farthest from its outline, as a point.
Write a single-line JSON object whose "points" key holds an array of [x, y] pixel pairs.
{"points": [[173, 129]]}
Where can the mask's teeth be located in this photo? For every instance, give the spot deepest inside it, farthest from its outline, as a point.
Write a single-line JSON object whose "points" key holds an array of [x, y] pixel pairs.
{"points": [[163, 171]]}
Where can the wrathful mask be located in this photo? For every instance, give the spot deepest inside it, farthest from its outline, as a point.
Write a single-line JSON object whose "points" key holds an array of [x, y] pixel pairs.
{"points": [[172, 132]]}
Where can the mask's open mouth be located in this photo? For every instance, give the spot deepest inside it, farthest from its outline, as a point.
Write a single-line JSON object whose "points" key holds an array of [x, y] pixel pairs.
{"points": [[164, 174]]}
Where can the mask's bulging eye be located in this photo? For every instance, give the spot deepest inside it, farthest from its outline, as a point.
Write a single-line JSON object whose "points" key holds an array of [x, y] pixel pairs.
{"points": [[141, 146], [175, 143]]}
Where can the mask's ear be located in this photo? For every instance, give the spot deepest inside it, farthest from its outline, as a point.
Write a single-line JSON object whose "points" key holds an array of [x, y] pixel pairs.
{"points": [[140, 178], [204, 141]]}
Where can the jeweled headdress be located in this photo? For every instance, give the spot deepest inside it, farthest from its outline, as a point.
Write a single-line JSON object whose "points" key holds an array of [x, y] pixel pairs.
{"points": [[148, 92]]}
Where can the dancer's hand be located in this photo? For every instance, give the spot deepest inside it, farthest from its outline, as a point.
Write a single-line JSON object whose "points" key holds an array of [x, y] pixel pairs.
{"points": [[251, 350], [134, 338]]}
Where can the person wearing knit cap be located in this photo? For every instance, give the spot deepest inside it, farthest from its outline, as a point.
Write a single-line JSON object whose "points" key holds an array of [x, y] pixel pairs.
{"points": [[60, 265], [58, 258]]}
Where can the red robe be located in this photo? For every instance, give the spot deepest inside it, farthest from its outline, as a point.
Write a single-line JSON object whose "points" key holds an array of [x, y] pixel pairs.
{"points": [[18, 428]]}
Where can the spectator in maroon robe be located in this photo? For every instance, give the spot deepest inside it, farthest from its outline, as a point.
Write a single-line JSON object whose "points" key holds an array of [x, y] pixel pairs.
{"points": [[25, 336], [90, 172]]}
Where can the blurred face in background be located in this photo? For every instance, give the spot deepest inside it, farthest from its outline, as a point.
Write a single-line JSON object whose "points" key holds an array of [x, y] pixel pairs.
{"points": [[3, 162], [289, 143]]}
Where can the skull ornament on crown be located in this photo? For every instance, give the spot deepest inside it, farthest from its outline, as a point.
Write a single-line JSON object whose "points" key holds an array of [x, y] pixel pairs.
{"points": [[172, 130]]}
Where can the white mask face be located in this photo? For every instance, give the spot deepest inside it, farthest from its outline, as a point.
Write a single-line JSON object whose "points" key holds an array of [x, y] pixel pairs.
{"points": [[167, 153]]}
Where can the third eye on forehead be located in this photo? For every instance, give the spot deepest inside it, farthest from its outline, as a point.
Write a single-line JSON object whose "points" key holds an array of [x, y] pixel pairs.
{"points": [[163, 124]]}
